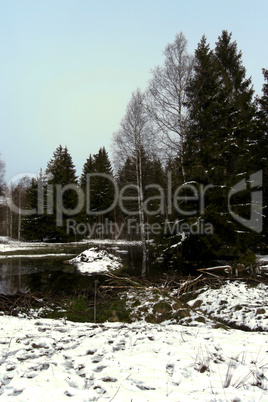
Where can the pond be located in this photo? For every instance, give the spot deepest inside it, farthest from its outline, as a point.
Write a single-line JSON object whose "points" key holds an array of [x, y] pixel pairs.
{"points": [[39, 270]]}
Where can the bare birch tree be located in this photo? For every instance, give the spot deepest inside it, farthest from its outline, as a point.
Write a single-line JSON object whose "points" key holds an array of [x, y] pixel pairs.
{"points": [[2, 199], [166, 97], [132, 138], [15, 196], [2, 176]]}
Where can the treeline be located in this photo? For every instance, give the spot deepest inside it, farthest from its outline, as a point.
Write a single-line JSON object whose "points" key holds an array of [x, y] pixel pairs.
{"points": [[190, 165], [60, 206], [200, 116], [39, 209]]}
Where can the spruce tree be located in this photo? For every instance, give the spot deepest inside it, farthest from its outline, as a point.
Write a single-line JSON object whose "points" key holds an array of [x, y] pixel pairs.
{"points": [[261, 154], [101, 188], [60, 168], [126, 177], [89, 167], [238, 124], [34, 224], [264, 99], [97, 184], [60, 173], [219, 143], [241, 145], [204, 102]]}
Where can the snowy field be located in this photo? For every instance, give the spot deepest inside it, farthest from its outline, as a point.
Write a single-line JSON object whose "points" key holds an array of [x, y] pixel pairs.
{"points": [[56, 360], [51, 360]]}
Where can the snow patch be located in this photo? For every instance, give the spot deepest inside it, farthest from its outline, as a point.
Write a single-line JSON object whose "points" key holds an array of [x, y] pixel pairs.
{"points": [[236, 303], [96, 261]]}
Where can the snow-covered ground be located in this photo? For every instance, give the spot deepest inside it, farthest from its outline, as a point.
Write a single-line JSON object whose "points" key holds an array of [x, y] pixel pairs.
{"points": [[263, 260], [237, 304], [48, 360], [56, 360]]}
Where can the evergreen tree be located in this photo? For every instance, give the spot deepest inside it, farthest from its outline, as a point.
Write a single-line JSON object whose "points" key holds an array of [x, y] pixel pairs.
{"points": [[60, 168], [264, 99], [60, 173], [88, 168], [101, 187], [34, 225], [219, 143], [222, 111], [204, 103], [261, 158], [126, 177], [154, 190], [240, 110], [241, 144], [97, 184]]}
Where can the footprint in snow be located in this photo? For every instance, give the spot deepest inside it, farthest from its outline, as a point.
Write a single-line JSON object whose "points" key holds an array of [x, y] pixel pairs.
{"points": [[98, 369], [170, 369], [98, 358]]}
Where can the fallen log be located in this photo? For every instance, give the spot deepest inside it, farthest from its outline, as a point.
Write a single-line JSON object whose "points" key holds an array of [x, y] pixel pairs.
{"points": [[222, 268]]}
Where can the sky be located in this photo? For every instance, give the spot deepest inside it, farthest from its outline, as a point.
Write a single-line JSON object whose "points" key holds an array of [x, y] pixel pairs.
{"points": [[68, 67]]}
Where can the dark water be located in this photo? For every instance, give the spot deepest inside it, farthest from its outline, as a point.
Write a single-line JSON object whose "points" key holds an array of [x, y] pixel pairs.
{"points": [[34, 274]]}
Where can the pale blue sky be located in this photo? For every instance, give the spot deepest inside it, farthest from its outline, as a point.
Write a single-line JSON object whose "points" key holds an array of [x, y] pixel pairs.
{"points": [[68, 67]]}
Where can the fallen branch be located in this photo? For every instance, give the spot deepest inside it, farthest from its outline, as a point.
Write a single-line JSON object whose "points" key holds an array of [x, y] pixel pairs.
{"points": [[121, 287], [189, 283], [123, 278], [218, 268]]}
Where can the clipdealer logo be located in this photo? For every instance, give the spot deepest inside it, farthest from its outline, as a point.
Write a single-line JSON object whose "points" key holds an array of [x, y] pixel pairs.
{"points": [[197, 194], [255, 222]]}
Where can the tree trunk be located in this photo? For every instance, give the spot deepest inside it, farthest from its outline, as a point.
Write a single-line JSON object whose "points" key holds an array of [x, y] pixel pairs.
{"points": [[141, 211], [19, 217]]}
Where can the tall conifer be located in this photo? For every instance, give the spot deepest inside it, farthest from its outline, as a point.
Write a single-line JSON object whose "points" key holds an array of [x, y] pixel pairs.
{"points": [[60, 172]]}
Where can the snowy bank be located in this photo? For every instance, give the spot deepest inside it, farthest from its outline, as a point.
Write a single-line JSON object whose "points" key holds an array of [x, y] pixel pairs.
{"points": [[96, 261], [235, 303], [8, 245]]}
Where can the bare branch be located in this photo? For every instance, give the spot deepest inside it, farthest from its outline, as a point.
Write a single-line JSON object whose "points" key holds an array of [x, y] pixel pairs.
{"points": [[166, 95]]}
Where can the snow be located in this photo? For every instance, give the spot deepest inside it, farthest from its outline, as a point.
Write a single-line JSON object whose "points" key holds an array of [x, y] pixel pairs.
{"points": [[109, 242], [50, 360], [96, 261], [34, 255], [8, 245], [57, 360], [236, 303], [263, 262]]}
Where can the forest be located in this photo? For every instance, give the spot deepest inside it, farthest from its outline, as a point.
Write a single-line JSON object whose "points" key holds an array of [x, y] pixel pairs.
{"points": [[187, 174]]}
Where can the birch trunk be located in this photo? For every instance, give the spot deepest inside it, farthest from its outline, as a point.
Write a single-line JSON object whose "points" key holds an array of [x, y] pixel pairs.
{"points": [[19, 217], [130, 141], [141, 211]]}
